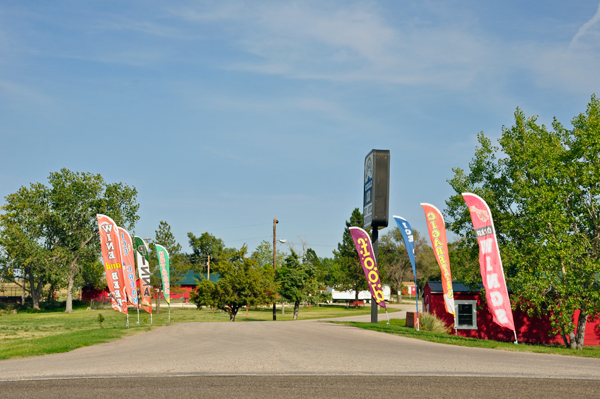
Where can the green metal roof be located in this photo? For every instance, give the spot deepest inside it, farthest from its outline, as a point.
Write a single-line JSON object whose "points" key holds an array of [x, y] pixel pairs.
{"points": [[191, 278]]}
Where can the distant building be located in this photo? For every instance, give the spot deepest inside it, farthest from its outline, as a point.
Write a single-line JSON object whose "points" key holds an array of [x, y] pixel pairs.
{"points": [[474, 319], [345, 296], [409, 288], [188, 283], [179, 290]]}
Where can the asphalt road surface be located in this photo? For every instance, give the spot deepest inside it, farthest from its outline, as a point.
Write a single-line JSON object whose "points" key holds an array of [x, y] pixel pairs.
{"points": [[343, 387], [293, 359]]}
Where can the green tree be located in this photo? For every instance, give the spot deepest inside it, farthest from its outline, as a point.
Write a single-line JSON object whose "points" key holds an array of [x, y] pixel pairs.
{"points": [[543, 188], [349, 274], [29, 257], [179, 262], [464, 263], [394, 263], [296, 280], [204, 246], [263, 254], [324, 274], [61, 232], [242, 282], [75, 200], [165, 237]]}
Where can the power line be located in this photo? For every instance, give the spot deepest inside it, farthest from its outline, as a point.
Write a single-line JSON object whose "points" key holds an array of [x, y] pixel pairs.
{"points": [[228, 228]]}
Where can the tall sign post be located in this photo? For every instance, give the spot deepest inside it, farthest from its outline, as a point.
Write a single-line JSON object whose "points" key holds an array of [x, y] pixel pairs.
{"points": [[275, 221], [376, 202]]}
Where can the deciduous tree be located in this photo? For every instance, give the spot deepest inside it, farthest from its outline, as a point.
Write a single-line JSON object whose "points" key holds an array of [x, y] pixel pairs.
{"points": [[395, 266], [51, 232], [296, 280], [543, 188], [242, 282], [204, 246], [30, 256]]}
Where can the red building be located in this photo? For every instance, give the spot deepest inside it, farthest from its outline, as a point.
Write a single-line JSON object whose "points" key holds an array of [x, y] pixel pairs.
{"points": [[474, 319], [188, 282], [409, 288], [91, 293], [179, 290]]}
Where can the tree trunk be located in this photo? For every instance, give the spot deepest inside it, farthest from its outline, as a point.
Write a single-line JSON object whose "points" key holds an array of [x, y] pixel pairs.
{"points": [[51, 291], [71, 280], [296, 309], [35, 292], [565, 338], [581, 323], [572, 340], [69, 307], [282, 307], [232, 313]]}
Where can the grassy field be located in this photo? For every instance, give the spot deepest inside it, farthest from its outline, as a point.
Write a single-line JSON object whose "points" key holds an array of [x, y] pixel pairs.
{"points": [[30, 333], [397, 327]]}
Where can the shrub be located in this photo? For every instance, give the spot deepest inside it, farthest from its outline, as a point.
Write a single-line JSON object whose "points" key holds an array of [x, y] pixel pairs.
{"points": [[430, 322], [100, 319]]}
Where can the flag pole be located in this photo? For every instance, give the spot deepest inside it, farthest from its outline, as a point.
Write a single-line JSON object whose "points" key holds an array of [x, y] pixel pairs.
{"points": [[127, 320], [417, 301], [516, 340], [388, 316], [138, 310], [169, 313], [455, 328]]}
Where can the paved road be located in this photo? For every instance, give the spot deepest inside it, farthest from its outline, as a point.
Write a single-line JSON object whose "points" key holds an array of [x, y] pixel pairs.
{"points": [[289, 348], [342, 387], [293, 359]]}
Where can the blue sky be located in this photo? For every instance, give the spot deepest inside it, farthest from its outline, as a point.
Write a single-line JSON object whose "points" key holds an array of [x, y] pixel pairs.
{"points": [[249, 110]]}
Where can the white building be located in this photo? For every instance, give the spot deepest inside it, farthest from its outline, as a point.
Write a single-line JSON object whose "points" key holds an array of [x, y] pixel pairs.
{"points": [[343, 296]]}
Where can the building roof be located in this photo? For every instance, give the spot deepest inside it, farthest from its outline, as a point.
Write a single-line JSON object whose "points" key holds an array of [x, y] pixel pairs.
{"points": [[191, 278], [436, 287]]}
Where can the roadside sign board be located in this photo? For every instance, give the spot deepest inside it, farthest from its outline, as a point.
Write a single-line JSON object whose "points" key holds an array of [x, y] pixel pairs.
{"points": [[368, 195], [376, 189]]}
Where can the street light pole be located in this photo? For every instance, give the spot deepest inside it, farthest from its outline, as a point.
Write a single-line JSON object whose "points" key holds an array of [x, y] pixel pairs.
{"points": [[275, 221]]}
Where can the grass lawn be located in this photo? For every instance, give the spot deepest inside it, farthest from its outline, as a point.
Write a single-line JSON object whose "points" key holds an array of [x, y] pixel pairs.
{"points": [[397, 327], [27, 334]]}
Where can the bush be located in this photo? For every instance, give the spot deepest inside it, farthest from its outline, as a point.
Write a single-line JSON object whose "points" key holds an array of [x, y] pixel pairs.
{"points": [[100, 319], [430, 322]]}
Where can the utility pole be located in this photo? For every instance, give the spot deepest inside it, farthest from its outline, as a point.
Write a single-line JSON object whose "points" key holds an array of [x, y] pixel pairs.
{"points": [[275, 221], [208, 269]]}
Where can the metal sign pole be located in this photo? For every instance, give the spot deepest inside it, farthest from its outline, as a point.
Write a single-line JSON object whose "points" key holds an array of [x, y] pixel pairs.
{"points": [[375, 241]]}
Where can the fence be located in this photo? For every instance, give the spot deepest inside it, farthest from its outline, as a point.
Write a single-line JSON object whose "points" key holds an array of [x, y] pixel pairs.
{"points": [[101, 302], [10, 290]]}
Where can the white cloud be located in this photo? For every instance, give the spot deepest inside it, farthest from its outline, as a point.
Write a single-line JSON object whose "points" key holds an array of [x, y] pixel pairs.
{"points": [[349, 43], [585, 28], [357, 42]]}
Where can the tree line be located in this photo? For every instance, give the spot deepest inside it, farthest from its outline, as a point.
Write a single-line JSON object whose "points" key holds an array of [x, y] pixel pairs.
{"points": [[542, 186], [49, 242]]}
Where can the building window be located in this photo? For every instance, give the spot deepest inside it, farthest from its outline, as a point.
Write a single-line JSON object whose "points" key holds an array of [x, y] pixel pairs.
{"points": [[466, 316]]}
